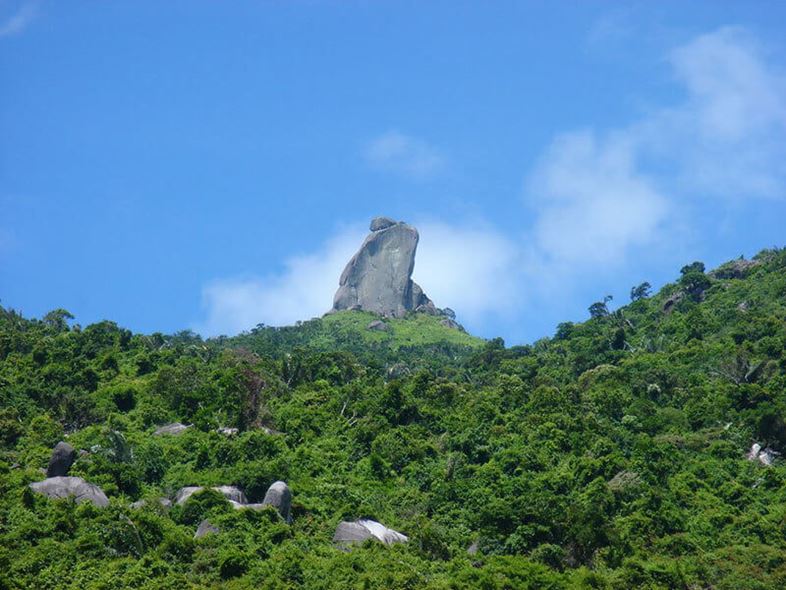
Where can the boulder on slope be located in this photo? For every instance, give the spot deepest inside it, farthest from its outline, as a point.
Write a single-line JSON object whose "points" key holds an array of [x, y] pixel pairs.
{"points": [[63, 456], [363, 529], [76, 487]]}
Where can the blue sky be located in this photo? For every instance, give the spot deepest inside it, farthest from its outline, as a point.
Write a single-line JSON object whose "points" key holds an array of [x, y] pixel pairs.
{"points": [[212, 165]]}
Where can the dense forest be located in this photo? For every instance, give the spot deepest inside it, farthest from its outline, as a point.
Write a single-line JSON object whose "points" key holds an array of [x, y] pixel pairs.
{"points": [[615, 454]]}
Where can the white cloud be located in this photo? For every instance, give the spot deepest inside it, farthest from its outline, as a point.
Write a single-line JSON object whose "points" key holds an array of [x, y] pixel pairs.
{"points": [[592, 203], [304, 289], [471, 269], [19, 20], [596, 195], [396, 152], [730, 135]]}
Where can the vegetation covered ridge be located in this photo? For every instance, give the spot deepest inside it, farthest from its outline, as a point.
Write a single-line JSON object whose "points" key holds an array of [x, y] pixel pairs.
{"points": [[616, 454]]}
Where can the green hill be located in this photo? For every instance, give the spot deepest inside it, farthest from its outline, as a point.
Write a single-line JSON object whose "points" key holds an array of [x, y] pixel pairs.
{"points": [[612, 455]]}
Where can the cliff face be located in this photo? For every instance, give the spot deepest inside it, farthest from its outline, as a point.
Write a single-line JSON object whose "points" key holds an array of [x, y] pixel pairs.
{"points": [[378, 278]]}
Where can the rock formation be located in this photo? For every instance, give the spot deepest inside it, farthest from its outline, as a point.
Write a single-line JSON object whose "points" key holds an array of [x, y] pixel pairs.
{"points": [[62, 458], [231, 493], [174, 429], [63, 487], [280, 497], [205, 528], [362, 529], [378, 278]]}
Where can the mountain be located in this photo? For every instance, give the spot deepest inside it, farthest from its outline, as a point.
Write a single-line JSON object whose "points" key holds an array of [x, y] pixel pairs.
{"points": [[638, 449]]}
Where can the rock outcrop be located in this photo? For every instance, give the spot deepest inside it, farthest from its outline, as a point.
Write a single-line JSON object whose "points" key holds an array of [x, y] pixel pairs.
{"points": [[62, 458], [280, 497], [362, 529], [378, 278], [205, 528], [173, 429], [763, 456], [78, 488], [231, 493]]}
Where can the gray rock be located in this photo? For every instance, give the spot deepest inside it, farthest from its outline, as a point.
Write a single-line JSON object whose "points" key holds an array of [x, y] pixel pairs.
{"points": [[227, 431], [78, 488], [379, 223], [378, 277], [362, 529], [736, 269], [377, 326], [165, 502], [452, 324], [673, 300], [63, 456], [763, 456], [205, 528], [280, 497], [173, 429], [231, 493]]}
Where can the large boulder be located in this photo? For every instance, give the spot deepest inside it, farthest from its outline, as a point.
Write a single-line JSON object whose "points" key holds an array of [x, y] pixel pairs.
{"points": [[76, 487], [231, 493], [62, 458], [205, 528], [378, 278], [362, 529], [174, 429], [280, 497]]}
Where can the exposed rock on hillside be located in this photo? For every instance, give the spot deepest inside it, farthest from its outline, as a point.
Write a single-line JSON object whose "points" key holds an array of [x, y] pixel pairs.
{"points": [[362, 529], [280, 497], [174, 429], [379, 277], [231, 493], [205, 528], [63, 487], [62, 458]]}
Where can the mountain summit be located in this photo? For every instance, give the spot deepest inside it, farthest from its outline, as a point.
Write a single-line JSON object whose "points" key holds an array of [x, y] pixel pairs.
{"points": [[378, 278]]}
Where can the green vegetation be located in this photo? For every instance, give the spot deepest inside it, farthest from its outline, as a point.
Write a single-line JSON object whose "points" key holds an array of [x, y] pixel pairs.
{"points": [[609, 456]]}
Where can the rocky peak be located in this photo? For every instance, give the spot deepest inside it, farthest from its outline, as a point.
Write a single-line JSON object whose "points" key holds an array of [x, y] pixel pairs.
{"points": [[378, 278]]}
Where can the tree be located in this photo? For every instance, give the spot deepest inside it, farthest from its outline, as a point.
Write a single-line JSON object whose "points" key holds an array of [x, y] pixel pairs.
{"points": [[640, 292], [692, 267], [600, 309]]}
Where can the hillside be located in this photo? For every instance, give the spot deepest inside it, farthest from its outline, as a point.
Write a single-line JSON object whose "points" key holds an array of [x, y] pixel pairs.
{"points": [[612, 455]]}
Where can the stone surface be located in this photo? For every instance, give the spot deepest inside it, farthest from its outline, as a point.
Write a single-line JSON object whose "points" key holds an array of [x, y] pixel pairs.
{"points": [[763, 456], [673, 300], [280, 497], [78, 488], [231, 493], [378, 278], [205, 528], [379, 223], [227, 431], [174, 429], [736, 269], [449, 323], [362, 529], [62, 458], [377, 326], [165, 502]]}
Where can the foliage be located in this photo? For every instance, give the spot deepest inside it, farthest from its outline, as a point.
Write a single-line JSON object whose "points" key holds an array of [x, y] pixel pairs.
{"points": [[609, 456]]}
